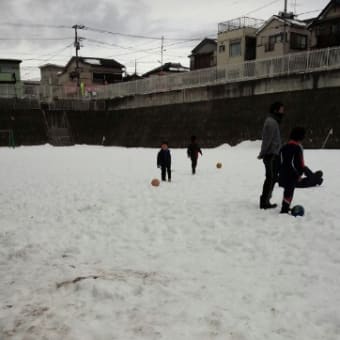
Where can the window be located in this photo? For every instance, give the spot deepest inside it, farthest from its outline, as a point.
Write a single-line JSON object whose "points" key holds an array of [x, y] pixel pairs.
{"points": [[298, 41], [323, 29], [273, 39], [336, 28], [221, 49], [235, 48], [106, 78]]}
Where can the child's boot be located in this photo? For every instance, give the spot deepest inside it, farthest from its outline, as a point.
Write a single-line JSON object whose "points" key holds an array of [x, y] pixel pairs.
{"points": [[285, 207]]}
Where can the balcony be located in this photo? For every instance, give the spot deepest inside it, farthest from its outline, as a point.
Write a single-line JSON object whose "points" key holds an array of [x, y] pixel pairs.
{"points": [[242, 22]]}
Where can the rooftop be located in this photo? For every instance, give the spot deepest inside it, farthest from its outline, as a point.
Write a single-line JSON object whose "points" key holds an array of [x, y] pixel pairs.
{"points": [[51, 66], [238, 23], [289, 20], [167, 67], [100, 62], [14, 61]]}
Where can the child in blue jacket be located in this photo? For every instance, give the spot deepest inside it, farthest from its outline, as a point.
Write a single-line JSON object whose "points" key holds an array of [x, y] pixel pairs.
{"points": [[164, 161]]}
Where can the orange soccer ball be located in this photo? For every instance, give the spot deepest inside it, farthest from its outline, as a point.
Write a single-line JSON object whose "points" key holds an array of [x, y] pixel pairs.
{"points": [[155, 182], [218, 165]]}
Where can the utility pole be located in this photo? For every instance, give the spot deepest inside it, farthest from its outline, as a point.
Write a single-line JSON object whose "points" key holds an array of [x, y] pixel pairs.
{"points": [[135, 66], [162, 52], [77, 47], [285, 27]]}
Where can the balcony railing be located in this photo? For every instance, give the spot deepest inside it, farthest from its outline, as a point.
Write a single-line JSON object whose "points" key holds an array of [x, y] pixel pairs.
{"points": [[243, 22], [302, 62]]}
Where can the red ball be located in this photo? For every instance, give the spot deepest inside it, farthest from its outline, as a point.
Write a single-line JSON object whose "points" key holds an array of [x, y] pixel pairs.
{"points": [[155, 182]]}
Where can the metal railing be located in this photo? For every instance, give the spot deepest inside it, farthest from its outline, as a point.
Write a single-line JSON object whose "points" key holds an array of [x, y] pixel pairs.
{"points": [[8, 91], [243, 22], [303, 62], [19, 90]]}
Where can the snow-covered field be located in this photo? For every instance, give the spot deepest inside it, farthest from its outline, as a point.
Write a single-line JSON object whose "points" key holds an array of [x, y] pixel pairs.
{"points": [[90, 250]]}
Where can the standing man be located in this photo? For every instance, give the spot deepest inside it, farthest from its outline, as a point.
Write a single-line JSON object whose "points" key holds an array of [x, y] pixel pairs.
{"points": [[270, 150]]}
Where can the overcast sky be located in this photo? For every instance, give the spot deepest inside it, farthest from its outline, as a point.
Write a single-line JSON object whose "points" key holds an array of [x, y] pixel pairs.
{"points": [[38, 41]]}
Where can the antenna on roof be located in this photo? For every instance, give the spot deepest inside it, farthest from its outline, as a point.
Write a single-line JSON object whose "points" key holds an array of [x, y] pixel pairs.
{"points": [[294, 5]]}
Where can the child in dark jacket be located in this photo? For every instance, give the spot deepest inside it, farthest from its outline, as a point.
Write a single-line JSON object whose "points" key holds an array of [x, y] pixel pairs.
{"points": [[292, 166], [164, 161], [193, 151]]}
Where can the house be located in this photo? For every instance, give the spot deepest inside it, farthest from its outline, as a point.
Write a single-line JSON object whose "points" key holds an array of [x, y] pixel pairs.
{"points": [[49, 74], [9, 71], [236, 40], [132, 77], [167, 68], [325, 29], [49, 83], [10, 85], [280, 35], [31, 88], [204, 54], [93, 72]]}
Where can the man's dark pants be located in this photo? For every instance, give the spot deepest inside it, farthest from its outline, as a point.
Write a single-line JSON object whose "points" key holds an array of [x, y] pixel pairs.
{"points": [[271, 163]]}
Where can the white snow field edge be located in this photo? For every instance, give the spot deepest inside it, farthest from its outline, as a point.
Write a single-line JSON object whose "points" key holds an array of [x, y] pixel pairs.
{"points": [[90, 250]]}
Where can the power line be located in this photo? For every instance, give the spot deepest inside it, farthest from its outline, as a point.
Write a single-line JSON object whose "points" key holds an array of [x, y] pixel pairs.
{"points": [[98, 30], [108, 44], [132, 62], [121, 34], [136, 36], [315, 10], [32, 25], [101, 43], [34, 39], [262, 7], [58, 52], [148, 51]]}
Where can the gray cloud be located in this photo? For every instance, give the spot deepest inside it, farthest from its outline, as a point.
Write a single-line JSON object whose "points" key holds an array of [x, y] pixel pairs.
{"points": [[192, 18]]}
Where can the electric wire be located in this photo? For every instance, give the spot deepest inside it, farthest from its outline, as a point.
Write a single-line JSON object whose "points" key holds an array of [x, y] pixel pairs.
{"points": [[262, 7]]}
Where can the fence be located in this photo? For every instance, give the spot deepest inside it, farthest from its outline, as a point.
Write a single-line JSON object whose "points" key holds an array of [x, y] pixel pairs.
{"points": [[8, 91], [19, 90], [304, 62], [239, 23]]}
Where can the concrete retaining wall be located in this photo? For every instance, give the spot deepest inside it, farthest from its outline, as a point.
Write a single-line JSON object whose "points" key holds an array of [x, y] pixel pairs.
{"points": [[25, 119], [229, 120], [294, 82], [228, 113]]}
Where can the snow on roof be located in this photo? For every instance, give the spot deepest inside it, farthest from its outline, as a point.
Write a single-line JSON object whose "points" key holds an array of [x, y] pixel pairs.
{"points": [[92, 61], [296, 22], [182, 69], [51, 66], [289, 21]]}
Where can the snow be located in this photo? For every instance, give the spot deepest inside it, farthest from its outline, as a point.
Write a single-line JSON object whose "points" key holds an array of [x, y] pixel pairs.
{"points": [[90, 250], [92, 61]]}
